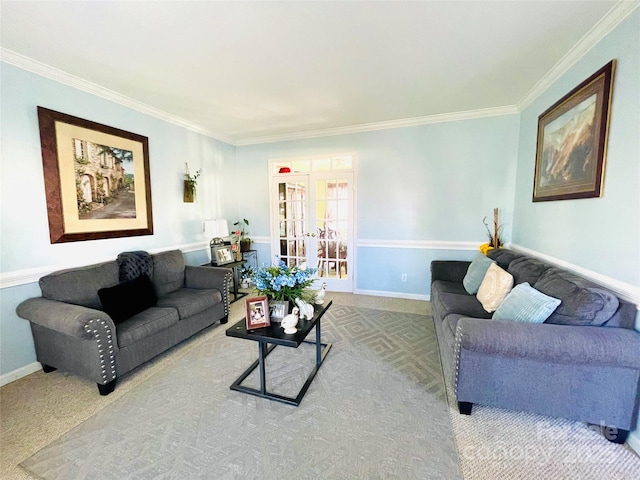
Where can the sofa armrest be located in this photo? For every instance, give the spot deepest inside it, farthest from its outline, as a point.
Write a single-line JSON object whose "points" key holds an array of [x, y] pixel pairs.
{"points": [[560, 344], [66, 318], [207, 277], [449, 270]]}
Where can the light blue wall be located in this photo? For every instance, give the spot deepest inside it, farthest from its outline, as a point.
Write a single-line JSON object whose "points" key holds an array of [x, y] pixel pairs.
{"points": [[24, 227], [421, 183], [600, 234]]}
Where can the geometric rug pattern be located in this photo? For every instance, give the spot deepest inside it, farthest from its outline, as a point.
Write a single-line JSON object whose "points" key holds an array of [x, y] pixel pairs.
{"points": [[376, 409]]}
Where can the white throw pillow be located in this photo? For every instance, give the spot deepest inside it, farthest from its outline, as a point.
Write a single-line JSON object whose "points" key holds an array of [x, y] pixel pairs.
{"points": [[495, 286]]}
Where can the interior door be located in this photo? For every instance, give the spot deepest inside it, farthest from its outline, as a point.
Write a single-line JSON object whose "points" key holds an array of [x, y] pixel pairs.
{"points": [[313, 220]]}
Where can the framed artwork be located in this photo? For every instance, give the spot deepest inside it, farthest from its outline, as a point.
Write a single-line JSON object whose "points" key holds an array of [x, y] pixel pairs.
{"points": [[257, 312], [96, 179], [572, 141], [278, 309], [221, 254]]}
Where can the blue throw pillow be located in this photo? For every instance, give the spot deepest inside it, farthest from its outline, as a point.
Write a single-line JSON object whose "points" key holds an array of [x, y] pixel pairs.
{"points": [[526, 304], [475, 273]]}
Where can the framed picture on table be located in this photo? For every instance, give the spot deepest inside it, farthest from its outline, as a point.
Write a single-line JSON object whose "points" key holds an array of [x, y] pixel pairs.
{"points": [[257, 312]]}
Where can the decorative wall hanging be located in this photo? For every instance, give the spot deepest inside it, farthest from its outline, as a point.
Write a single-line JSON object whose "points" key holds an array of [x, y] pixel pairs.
{"points": [[96, 179], [572, 141], [190, 182]]}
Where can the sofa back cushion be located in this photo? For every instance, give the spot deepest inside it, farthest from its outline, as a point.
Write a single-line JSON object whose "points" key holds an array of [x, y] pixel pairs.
{"points": [[527, 270], [583, 302], [80, 286], [503, 257], [168, 272]]}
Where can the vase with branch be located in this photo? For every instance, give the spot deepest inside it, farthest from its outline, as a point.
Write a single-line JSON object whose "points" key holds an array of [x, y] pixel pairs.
{"points": [[494, 236]]}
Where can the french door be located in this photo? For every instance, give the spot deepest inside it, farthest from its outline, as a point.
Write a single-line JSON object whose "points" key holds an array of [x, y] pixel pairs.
{"points": [[312, 224]]}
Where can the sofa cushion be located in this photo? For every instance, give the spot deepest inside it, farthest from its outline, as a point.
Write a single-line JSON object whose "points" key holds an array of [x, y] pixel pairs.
{"points": [[527, 270], [583, 302], [168, 272], [191, 301], [526, 304], [79, 286], [146, 323], [445, 286], [495, 286], [475, 273], [503, 257], [461, 303], [127, 299]]}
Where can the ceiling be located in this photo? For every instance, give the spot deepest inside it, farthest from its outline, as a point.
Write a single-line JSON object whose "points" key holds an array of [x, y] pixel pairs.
{"points": [[246, 71]]}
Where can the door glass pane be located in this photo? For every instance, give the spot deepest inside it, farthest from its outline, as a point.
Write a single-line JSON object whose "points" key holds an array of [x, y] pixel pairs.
{"points": [[332, 210], [292, 198]]}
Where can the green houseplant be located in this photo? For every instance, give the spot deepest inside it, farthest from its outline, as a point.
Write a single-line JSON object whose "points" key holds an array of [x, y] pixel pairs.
{"points": [[241, 235]]}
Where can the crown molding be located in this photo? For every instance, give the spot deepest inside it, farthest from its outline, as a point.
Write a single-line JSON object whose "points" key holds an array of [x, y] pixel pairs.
{"points": [[369, 127], [611, 20], [44, 70]]}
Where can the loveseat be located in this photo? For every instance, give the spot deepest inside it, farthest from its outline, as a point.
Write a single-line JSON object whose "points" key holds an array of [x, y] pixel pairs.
{"points": [[582, 363], [154, 302]]}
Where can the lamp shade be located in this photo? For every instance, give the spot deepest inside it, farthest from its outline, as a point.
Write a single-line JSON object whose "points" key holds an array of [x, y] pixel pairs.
{"points": [[216, 228]]}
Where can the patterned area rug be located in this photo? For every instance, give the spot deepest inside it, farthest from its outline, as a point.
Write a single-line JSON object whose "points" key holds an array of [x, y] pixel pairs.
{"points": [[376, 409]]}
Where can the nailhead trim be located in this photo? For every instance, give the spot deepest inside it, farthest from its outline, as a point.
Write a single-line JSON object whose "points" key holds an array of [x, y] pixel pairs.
{"points": [[456, 352], [225, 292], [108, 366]]}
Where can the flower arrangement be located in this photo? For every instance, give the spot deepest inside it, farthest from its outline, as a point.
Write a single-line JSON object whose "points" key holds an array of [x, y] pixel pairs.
{"points": [[241, 236], [281, 282], [494, 237]]}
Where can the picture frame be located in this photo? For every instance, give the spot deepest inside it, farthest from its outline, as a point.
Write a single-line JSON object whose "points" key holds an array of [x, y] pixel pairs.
{"points": [[221, 255], [97, 180], [257, 312], [572, 141], [278, 310]]}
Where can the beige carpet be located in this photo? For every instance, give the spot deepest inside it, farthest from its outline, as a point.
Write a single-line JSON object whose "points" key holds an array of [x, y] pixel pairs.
{"points": [[492, 443]]}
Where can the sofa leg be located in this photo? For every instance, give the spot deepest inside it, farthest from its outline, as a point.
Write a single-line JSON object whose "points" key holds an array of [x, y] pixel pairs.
{"points": [[107, 388], [614, 435], [48, 368], [465, 408], [224, 319]]}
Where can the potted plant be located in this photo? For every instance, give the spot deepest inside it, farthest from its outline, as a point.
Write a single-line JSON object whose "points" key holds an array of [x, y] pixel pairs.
{"points": [[242, 235], [190, 185]]}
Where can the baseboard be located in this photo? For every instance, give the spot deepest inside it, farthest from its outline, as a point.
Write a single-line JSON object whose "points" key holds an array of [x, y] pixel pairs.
{"points": [[380, 293], [19, 373], [633, 440]]}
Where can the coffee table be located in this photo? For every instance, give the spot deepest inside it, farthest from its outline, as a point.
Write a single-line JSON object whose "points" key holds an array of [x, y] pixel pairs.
{"points": [[275, 336]]}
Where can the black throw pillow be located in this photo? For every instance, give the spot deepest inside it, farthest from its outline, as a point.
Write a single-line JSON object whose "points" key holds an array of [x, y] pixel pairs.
{"points": [[127, 299]]}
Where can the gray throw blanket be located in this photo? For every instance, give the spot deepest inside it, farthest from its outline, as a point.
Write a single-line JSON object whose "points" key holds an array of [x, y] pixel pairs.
{"points": [[134, 264]]}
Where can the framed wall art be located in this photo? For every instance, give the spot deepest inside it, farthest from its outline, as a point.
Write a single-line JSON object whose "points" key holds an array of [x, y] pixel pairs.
{"points": [[572, 141], [96, 177], [257, 312]]}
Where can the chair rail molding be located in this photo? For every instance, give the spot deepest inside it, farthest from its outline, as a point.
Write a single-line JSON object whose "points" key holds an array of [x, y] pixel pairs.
{"points": [[624, 290], [419, 244], [32, 275]]}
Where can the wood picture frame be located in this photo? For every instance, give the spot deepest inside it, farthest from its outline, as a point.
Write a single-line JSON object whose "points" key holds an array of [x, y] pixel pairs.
{"points": [[257, 312], [96, 177], [572, 141]]}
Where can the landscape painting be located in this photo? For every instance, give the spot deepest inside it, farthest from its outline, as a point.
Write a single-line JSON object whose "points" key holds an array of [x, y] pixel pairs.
{"points": [[572, 137], [97, 179]]}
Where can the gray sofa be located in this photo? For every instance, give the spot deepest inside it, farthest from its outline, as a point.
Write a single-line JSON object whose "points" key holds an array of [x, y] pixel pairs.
{"points": [[582, 363], [72, 331]]}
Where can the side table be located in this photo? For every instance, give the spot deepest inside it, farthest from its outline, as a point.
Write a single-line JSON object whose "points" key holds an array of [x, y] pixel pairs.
{"points": [[233, 266]]}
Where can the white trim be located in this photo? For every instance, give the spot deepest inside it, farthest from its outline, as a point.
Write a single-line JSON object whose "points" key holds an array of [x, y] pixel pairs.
{"points": [[419, 244], [32, 275], [369, 127], [624, 290], [19, 373], [266, 240], [52, 73], [381, 293], [611, 20], [633, 440]]}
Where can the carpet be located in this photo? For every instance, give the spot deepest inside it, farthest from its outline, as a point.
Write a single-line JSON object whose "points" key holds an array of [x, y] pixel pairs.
{"points": [[376, 409]]}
